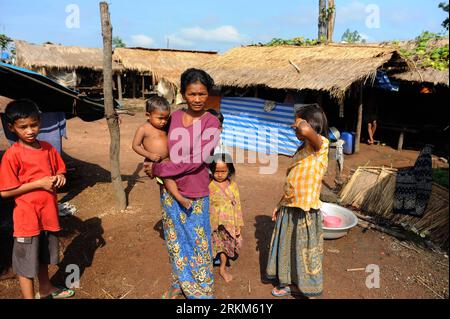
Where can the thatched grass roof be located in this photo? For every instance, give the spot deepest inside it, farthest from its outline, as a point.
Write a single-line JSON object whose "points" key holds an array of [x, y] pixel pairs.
{"points": [[330, 68], [47, 56], [162, 63], [421, 75]]}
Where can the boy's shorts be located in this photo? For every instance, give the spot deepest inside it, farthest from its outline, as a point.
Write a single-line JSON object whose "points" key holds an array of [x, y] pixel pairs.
{"points": [[30, 252]]}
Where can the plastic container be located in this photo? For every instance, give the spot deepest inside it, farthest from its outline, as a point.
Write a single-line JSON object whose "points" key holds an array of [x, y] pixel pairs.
{"points": [[347, 217], [349, 142], [334, 134]]}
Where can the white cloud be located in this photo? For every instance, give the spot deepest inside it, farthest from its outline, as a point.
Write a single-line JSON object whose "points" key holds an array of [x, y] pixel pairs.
{"points": [[141, 40], [178, 42], [354, 11], [226, 33]]}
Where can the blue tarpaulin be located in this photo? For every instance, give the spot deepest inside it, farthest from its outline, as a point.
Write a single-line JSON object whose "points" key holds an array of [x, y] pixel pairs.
{"points": [[382, 81], [248, 126]]}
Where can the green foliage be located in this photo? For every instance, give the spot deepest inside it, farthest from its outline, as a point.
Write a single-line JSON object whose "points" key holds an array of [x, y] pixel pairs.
{"points": [[299, 41], [117, 42], [4, 42], [352, 37], [444, 7], [426, 53]]}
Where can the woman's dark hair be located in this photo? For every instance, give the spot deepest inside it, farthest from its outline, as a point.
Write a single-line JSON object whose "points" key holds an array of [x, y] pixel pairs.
{"points": [[225, 158], [219, 115], [21, 109], [192, 75], [315, 116]]}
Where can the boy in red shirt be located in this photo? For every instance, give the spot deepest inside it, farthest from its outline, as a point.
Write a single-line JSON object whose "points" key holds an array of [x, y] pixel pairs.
{"points": [[31, 171]]}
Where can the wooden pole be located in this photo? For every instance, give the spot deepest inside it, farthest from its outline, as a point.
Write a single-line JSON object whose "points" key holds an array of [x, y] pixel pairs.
{"points": [[111, 116], [133, 85], [143, 87], [359, 123], [400, 140], [119, 86]]}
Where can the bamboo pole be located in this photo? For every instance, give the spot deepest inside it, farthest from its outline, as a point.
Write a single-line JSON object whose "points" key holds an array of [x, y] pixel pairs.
{"points": [[111, 117]]}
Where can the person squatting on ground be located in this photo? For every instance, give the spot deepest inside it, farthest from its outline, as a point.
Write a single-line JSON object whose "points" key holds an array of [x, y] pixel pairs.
{"points": [[31, 171], [226, 213], [150, 141], [187, 232], [296, 249]]}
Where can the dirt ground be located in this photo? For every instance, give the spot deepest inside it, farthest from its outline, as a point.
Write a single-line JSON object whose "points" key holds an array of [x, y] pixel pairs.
{"points": [[123, 255]]}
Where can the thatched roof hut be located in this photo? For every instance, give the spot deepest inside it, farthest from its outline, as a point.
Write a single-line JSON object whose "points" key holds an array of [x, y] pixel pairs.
{"points": [[49, 56], [418, 73], [161, 63], [331, 68]]}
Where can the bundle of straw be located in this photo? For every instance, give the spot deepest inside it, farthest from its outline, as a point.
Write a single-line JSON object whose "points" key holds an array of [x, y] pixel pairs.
{"points": [[371, 190]]}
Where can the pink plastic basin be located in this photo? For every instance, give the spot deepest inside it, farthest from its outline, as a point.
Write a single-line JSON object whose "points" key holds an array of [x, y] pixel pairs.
{"points": [[332, 221]]}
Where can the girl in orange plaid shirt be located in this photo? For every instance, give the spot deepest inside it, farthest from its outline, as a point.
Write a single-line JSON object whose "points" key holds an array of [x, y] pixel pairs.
{"points": [[296, 250]]}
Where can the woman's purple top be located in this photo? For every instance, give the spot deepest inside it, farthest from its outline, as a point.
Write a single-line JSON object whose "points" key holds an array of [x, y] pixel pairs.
{"points": [[189, 148]]}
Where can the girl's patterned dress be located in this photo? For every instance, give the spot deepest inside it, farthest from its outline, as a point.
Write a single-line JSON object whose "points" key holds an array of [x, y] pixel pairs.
{"points": [[226, 219]]}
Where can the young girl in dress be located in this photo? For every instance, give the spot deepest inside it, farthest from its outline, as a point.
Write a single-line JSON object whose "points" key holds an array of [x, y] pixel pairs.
{"points": [[226, 214], [296, 249]]}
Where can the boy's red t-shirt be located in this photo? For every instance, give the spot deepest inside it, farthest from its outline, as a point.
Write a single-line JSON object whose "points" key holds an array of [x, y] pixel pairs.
{"points": [[37, 210]]}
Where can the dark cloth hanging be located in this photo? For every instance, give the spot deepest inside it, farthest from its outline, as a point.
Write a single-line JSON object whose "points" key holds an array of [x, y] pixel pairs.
{"points": [[413, 185]]}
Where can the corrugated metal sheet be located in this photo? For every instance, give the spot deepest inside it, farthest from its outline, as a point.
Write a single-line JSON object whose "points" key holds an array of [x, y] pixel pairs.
{"points": [[248, 126]]}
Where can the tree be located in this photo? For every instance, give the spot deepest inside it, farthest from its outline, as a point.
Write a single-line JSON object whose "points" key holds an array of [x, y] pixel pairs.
{"points": [[4, 42], [327, 14], [322, 20], [117, 42], [444, 7], [331, 16], [352, 37]]}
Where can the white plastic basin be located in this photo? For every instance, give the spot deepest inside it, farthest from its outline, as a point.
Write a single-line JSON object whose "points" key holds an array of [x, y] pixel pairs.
{"points": [[348, 218]]}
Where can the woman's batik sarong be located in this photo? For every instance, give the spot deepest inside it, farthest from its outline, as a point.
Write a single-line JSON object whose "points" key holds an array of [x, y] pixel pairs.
{"points": [[188, 238]]}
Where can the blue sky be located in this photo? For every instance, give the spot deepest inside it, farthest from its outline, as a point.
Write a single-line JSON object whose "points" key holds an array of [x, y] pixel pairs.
{"points": [[215, 25]]}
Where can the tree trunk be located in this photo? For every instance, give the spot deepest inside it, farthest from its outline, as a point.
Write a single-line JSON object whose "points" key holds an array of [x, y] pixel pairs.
{"points": [[331, 19], [111, 115], [359, 123], [322, 20]]}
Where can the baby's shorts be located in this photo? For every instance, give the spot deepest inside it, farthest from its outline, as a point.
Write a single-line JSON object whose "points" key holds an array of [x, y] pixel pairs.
{"points": [[29, 252]]}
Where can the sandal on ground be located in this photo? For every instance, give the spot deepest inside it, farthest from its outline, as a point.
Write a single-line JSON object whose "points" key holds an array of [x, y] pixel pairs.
{"points": [[281, 291], [172, 294], [59, 293]]}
